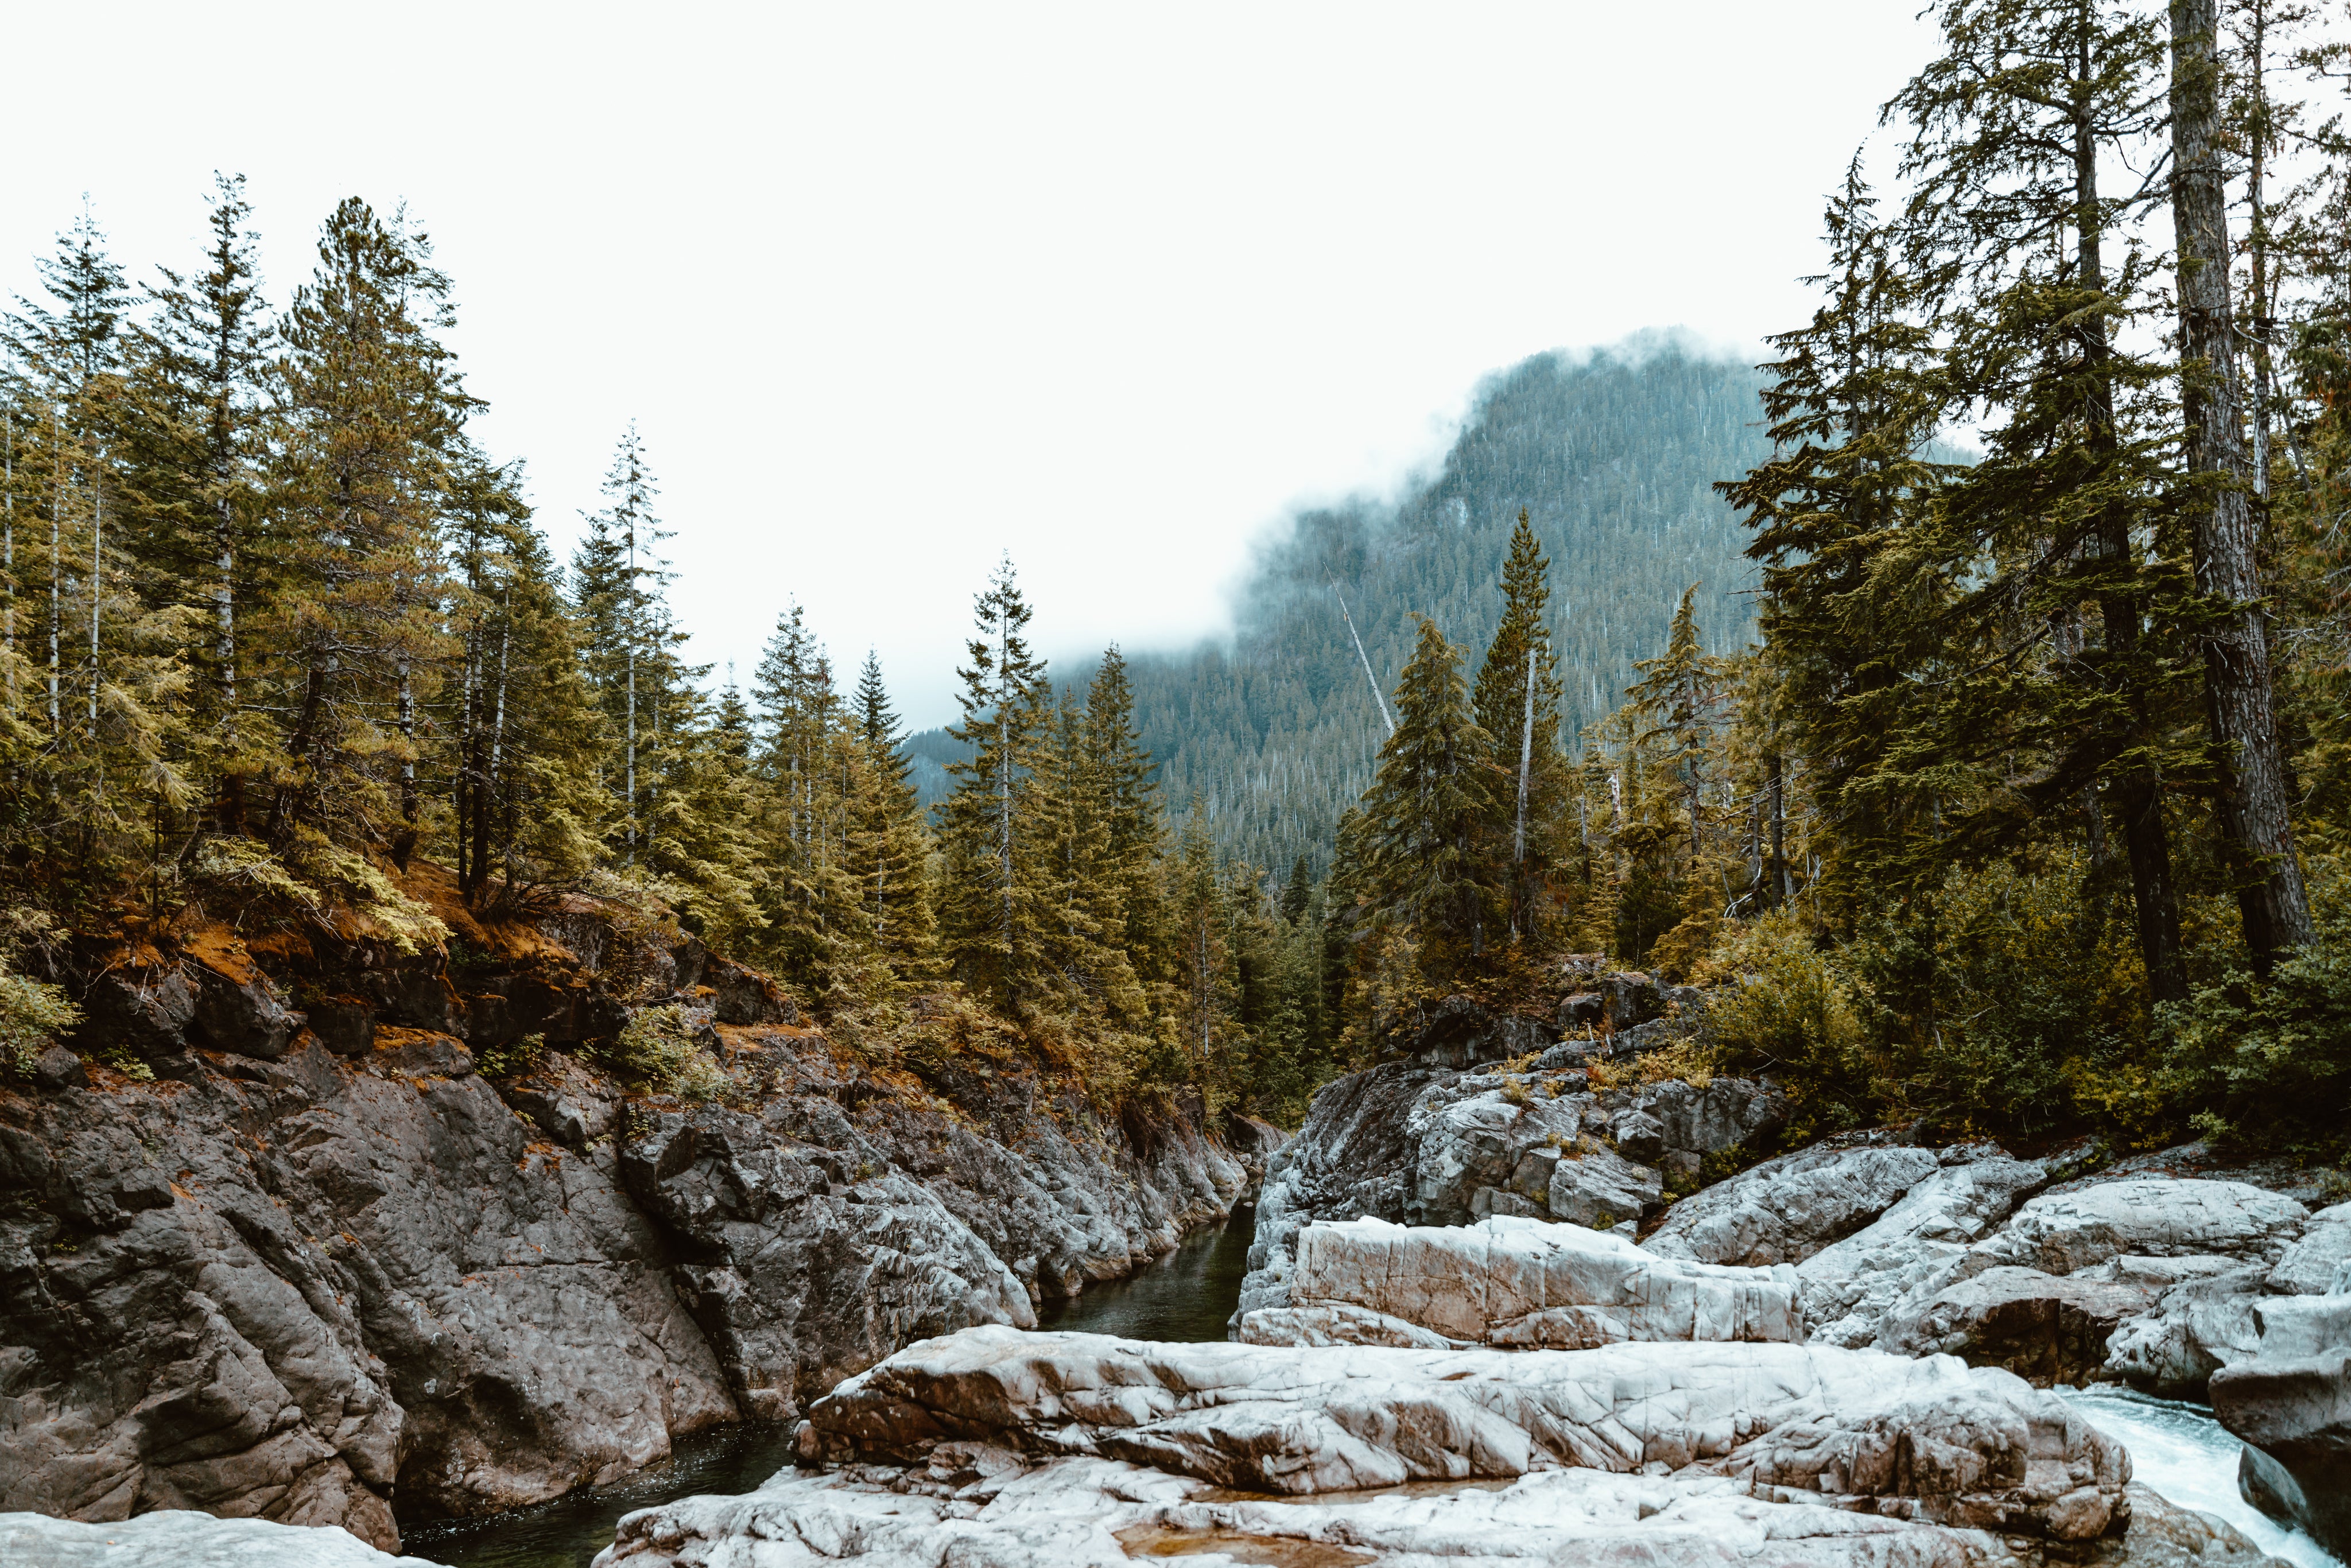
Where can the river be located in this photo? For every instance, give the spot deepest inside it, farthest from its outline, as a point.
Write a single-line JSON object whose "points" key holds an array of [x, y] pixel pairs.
{"points": [[2180, 1452], [2179, 1449]]}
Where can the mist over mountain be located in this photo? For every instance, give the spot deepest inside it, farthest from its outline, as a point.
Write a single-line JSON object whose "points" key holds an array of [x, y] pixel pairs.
{"points": [[1614, 454]]}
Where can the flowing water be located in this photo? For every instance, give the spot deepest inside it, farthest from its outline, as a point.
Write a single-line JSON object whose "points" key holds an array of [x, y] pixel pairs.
{"points": [[2183, 1453], [1186, 1295]]}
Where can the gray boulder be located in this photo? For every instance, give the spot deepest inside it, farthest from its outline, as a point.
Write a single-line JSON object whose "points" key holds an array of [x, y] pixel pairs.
{"points": [[1849, 1286], [1518, 1282], [1786, 1209], [2062, 1233], [2044, 1328], [1676, 1125], [176, 1538]]}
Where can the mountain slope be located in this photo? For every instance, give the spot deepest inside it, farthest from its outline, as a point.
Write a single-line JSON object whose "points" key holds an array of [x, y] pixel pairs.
{"points": [[1613, 457]]}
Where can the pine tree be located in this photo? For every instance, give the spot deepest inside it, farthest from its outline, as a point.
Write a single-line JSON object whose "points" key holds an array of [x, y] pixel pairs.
{"points": [[373, 408], [2239, 701], [1204, 978], [1427, 814], [995, 915], [618, 583], [892, 847], [1517, 700], [1126, 787], [195, 439], [529, 739]]}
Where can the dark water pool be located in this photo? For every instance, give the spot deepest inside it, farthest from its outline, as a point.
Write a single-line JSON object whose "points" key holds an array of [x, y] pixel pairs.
{"points": [[1186, 1295], [568, 1530]]}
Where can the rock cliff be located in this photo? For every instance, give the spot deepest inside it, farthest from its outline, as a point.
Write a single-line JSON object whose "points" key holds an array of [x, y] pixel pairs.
{"points": [[311, 1229]]}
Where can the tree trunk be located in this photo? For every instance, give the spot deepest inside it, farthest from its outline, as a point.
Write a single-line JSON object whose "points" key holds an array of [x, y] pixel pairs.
{"points": [[486, 787], [97, 579], [56, 565], [2138, 793], [2239, 700], [8, 563], [284, 809]]}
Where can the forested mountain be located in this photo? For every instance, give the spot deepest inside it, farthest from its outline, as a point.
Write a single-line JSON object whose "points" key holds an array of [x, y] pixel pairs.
{"points": [[1613, 457]]}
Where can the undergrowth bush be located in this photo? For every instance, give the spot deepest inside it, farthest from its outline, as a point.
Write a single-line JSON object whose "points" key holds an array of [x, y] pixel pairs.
{"points": [[2008, 1001], [31, 1014], [657, 1048], [2267, 1064], [1789, 1010]]}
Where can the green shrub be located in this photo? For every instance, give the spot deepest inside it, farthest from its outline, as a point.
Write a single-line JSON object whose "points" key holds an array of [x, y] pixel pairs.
{"points": [[31, 1014], [2268, 1064], [1791, 1012], [657, 1049], [511, 1060]]}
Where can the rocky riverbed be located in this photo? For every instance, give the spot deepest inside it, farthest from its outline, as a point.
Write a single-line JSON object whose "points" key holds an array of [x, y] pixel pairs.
{"points": [[1476, 1328]]}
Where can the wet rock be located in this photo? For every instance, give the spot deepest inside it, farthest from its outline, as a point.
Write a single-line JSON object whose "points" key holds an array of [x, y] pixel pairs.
{"points": [[1523, 1284], [287, 1294], [2206, 1317], [344, 1025], [1582, 1185], [976, 1504], [2320, 1262], [298, 1287], [570, 1105], [741, 996], [143, 1007], [1458, 1032], [1348, 1160], [237, 1008], [1676, 1125], [2062, 1233], [1850, 1286], [1628, 998], [58, 1068], [1585, 1009], [2295, 1412]]}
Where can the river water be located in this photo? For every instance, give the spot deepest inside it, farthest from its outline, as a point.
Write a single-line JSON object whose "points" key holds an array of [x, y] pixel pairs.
{"points": [[2180, 1452], [2179, 1449]]}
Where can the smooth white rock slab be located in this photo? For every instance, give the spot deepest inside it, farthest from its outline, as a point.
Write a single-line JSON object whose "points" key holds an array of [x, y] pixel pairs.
{"points": [[1526, 1283], [175, 1538], [1952, 1445]]}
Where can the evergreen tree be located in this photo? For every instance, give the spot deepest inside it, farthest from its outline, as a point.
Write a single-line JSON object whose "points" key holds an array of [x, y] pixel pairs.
{"points": [[618, 586], [1125, 788], [1426, 815], [195, 439], [1517, 700], [893, 848], [2252, 790], [994, 913], [372, 406]]}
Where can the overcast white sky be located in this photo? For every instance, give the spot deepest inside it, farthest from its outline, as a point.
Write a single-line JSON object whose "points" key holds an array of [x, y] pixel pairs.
{"points": [[890, 289]]}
